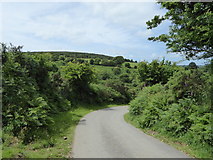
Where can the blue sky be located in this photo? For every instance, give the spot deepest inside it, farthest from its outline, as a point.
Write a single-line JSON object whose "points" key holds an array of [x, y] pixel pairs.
{"points": [[106, 28]]}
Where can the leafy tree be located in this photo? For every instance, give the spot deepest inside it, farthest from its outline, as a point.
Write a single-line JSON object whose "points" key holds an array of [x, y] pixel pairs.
{"points": [[106, 62], [191, 28], [91, 61], [62, 58], [119, 60], [106, 94], [79, 60], [77, 77], [127, 65], [142, 70], [155, 72], [97, 61], [78, 74], [192, 65], [189, 84]]}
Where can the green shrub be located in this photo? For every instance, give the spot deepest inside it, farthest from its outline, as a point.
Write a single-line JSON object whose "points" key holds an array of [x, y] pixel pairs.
{"points": [[120, 87], [143, 99], [105, 94], [189, 84], [116, 70], [31, 92], [155, 72], [201, 127], [180, 108]]}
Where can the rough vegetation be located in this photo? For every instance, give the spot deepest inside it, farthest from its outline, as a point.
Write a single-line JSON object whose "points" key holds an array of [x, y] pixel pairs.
{"points": [[180, 108], [176, 101], [165, 98], [39, 86]]}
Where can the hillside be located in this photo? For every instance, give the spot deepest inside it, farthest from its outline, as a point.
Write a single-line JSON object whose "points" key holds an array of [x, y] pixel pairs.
{"points": [[75, 54]]}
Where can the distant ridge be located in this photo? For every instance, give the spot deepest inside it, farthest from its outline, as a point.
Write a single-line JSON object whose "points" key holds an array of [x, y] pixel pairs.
{"points": [[74, 54]]}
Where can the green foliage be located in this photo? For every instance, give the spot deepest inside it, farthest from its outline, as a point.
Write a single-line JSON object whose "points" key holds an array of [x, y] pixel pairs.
{"points": [[97, 61], [121, 79], [192, 65], [125, 78], [180, 108], [24, 108], [78, 74], [49, 142], [106, 94], [179, 123], [190, 30], [118, 60], [37, 86], [189, 84], [120, 87], [201, 124], [146, 97], [33, 90], [155, 72], [73, 55], [91, 61], [127, 65], [106, 62], [116, 70]]}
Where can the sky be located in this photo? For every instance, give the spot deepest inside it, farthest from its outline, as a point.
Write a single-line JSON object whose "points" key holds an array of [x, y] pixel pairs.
{"points": [[110, 28]]}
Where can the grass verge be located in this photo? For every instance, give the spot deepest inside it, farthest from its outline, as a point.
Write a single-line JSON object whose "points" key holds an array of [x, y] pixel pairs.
{"points": [[193, 151], [52, 143]]}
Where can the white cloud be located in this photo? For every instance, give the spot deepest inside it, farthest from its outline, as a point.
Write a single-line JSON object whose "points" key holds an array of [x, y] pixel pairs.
{"points": [[77, 1], [107, 23], [144, 33], [111, 28], [127, 14], [77, 30]]}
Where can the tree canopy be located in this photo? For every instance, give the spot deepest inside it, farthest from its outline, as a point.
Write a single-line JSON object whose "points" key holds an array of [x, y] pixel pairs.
{"points": [[190, 31]]}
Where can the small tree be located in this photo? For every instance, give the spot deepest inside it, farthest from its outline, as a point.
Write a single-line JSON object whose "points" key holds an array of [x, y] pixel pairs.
{"points": [[119, 60], [78, 76], [127, 65], [192, 65], [155, 72], [91, 61], [97, 61]]}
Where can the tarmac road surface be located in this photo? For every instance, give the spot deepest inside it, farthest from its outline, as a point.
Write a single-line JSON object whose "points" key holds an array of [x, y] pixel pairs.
{"points": [[105, 134]]}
